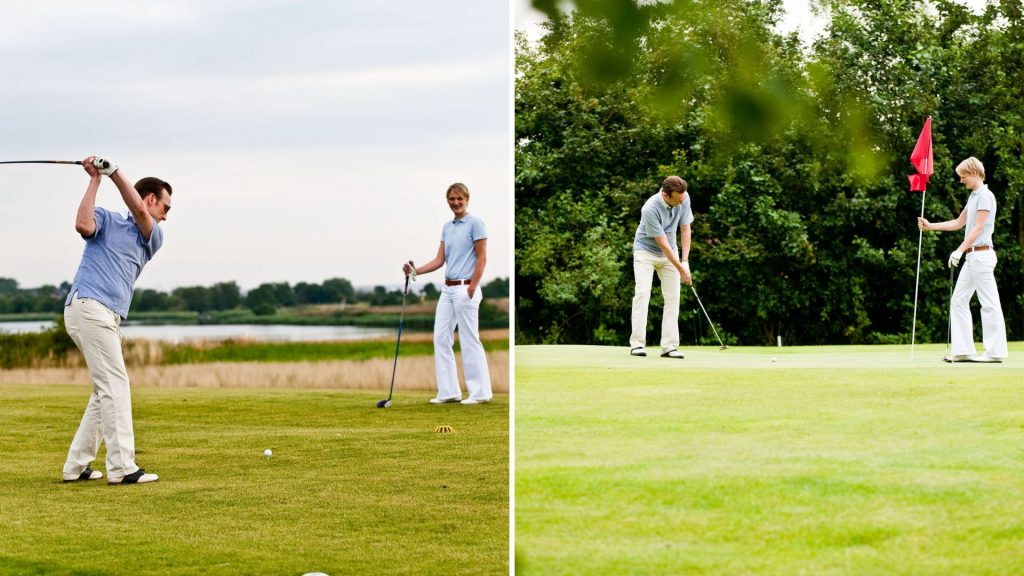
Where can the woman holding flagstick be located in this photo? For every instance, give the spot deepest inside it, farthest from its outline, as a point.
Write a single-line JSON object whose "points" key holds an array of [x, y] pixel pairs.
{"points": [[978, 273]]}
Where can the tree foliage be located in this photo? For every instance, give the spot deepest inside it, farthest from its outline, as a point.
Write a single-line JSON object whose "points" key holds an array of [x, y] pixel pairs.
{"points": [[796, 157]]}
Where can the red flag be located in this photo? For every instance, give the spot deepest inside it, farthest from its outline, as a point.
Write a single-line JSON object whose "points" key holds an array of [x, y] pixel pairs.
{"points": [[922, 158]]}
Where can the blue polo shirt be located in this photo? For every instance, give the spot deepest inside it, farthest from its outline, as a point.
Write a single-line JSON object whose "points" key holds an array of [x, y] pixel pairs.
{"points": [[657, 218], [114, 257], [459, 237]]}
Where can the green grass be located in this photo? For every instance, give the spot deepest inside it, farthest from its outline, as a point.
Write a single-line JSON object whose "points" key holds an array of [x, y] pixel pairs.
{"points": [[832, 460], [232, 351], [350, 489]]}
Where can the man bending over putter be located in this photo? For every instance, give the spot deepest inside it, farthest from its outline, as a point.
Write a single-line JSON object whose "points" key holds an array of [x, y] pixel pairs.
{"points": [[117, 247], [463, 253], [654, 250], [978, 273]]}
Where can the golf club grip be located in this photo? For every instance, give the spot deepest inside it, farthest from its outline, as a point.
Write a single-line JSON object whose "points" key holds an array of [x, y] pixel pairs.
{"points": [[79, 162]]}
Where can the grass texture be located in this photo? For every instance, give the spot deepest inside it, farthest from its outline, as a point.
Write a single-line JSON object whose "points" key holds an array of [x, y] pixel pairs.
{"points": [[350, 488], [827, 461]]}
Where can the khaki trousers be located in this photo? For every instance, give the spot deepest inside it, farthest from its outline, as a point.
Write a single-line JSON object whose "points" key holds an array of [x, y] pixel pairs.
{"points": [[96, 331], [645, 264]]}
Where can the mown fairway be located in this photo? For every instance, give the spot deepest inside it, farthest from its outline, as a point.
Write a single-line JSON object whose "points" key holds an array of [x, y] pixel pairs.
{"points": [[350, 489], [832, 460]]}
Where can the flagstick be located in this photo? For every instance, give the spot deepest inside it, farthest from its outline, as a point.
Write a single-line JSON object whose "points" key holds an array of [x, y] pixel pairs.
{"points": [[917, 278]]}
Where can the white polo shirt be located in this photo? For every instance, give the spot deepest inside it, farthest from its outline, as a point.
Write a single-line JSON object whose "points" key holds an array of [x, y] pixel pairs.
{"points": [[981, 199]]}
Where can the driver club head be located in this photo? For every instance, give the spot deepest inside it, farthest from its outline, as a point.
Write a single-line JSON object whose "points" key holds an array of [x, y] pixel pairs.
{"points": [[384, 404]]}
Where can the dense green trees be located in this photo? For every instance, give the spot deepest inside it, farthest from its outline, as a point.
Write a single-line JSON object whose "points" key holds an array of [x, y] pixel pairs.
{"points": [[796, 158], [265, 299]]}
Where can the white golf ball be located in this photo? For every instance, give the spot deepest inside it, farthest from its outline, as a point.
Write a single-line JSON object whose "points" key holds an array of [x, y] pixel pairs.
{"points": [[268, 453], [773, 359]]}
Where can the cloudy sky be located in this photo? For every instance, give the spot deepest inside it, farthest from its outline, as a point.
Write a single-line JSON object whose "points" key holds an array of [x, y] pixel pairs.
{"points": [[304, 139]]}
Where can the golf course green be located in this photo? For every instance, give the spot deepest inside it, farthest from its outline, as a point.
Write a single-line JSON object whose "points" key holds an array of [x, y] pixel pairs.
{"points": [[349, 489], [846, 460]]}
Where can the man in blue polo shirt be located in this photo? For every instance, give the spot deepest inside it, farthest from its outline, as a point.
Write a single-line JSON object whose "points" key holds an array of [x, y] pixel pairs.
{"points": [[654, 250], [117, 247]]}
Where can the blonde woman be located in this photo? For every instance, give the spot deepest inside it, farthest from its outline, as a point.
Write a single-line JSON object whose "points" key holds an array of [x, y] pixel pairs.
{"points": [[463, 253], [978, 274]]}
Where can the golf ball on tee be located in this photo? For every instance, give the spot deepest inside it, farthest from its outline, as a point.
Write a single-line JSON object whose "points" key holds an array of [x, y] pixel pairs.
{"points": [[268, 453]]}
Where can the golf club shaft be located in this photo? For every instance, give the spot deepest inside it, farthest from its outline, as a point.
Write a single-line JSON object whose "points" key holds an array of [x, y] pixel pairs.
{"points": [[79, 162], [398, 341], [720, 343], [949, 325]]}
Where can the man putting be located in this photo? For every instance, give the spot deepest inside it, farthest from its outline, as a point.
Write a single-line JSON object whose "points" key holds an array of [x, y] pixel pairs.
{"points": [[117, 247], [978, 273], [654, 250]]}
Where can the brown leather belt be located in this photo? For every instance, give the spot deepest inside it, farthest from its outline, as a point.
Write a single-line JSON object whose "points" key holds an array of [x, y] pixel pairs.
{"points": [[455, 282], [978, 248]]}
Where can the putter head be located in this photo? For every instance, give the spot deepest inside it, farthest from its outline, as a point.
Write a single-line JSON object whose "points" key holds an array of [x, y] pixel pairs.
{"points": [[724, 347], [384, 404]]}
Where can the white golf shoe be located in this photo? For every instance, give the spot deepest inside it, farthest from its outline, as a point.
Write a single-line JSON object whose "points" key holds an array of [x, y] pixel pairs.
{"points": [[137, 477], [985, 359], [87, 474], [469, 401], [445, 400]]}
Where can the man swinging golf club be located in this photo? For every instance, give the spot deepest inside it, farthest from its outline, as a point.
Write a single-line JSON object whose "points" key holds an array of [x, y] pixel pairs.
{"points": [[463, 253], [117, 247], [654, 250], [978, 273]]}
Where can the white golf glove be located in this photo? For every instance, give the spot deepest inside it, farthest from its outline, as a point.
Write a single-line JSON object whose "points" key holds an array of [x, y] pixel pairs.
{"points": [[105, 166], [410, 270], [686, 266], [954, 258]]}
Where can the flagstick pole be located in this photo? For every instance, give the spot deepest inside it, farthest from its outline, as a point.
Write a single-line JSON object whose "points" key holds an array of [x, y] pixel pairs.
{"points": [[917, 278]]}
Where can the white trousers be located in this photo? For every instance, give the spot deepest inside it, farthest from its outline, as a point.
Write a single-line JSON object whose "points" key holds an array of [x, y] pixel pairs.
{"points": [[456, 308], [645, 264], [977, 274], [96, 331]]}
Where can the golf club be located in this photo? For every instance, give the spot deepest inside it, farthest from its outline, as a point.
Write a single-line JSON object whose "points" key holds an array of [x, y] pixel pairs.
{"points": [[949, 325], [99, 163], [723, 346], [398, 342], [79, 162]]}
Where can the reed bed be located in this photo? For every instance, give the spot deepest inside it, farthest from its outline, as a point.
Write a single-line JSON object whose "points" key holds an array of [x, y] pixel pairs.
{"points": [[414, 373]]}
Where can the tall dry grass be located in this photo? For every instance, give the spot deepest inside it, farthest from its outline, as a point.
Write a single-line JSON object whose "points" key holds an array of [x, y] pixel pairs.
{"points": [[414, 373]]}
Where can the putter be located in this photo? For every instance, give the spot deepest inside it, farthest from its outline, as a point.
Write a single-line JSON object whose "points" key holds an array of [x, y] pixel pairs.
{"points": [[398, 342], [949, 325], [721, 344]]}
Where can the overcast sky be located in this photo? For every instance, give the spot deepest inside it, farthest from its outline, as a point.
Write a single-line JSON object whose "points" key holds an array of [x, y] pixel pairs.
{"points": [[305, 140]]}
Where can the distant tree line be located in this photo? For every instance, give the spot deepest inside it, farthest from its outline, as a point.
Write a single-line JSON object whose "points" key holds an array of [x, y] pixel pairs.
{"points": [[265, 299]]}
